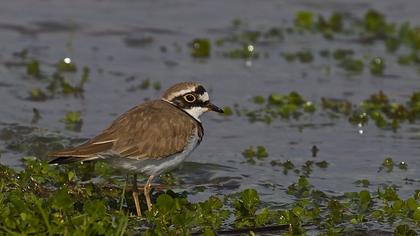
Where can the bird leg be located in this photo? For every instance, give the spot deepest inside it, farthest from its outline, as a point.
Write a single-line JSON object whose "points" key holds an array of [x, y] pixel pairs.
{"points": [[136, 196], [147, 188]]}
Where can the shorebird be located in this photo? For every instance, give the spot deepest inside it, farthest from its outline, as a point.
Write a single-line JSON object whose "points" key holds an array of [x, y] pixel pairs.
{"points": [[151, 138]]}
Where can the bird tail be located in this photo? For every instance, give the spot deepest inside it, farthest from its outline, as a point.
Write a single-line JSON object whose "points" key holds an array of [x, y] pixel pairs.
{"points": [[85, 152], [65, 160]]}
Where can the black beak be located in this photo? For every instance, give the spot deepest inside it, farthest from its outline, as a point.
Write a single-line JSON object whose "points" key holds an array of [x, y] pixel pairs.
{"points": [[215, 108]]}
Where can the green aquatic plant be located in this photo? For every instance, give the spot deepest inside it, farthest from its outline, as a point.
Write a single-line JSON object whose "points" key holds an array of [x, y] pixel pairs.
{"points": [[200, 48], [60, 83], [169, 179], [363, 182], [157, 85], [352, 65], [246, 215], [251, 152], [392, 44], [375, 22], [258, 99], [287, 165], [73, 117], [322, 164], [276, 105], [227, 111], [249, 37], [333, 24], [409, 59], [304, 20], [378, 108], [50, 205], [32, 68], [302, 188], [59, 199], [302, 56], [388, 165], [404, 230], [37, 94], [247, 51], [337, 105], [403, 165], [410, 36], [65, 65], [340, 54], [370, 28], [377, 66], [289, 57], [145, 84], [73, 121]]}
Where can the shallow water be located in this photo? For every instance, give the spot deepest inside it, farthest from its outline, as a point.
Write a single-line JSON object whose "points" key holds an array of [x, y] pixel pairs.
{"points": [[121, 42]]}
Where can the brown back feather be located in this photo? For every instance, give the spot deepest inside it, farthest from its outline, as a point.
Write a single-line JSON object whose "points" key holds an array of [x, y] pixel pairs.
{"points": [[154, 130]]}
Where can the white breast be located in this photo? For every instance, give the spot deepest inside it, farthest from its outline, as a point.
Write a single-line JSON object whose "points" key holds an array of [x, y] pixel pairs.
{"points": [[157, 167]]}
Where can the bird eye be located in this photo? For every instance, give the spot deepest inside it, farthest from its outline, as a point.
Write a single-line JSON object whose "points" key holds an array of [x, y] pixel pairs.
{"points": [[189, 98]]}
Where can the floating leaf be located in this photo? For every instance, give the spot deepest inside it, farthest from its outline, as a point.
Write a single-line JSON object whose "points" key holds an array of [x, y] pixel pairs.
{"points": [[304, 20], [200, 48], [377, 66], [32, 68]]}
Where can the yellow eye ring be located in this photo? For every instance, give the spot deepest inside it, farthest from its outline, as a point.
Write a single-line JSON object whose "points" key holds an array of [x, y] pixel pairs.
{"points": [[189, 98]]}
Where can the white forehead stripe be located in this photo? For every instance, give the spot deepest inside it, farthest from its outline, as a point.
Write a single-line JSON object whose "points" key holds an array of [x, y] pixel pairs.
{"points": [[181, 92], [203, 97]]}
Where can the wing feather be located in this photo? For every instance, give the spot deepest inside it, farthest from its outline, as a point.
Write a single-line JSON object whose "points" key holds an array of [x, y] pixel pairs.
{"points": [[154, 130]]}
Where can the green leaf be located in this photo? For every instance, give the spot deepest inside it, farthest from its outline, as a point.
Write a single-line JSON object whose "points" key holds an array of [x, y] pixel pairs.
{"points": [[374, 22], [365, 200], [37, 94], [73, 117], [258, 99], [165, 203], [261, 152], [32, 68], [304, 20], [62, 200], [404, 230], [250, 200], [412, 204], [227, 111], [200, 48], [208, 232], [65, 66], [377, 66], [95, 208], [71, 175], [352, 65]]}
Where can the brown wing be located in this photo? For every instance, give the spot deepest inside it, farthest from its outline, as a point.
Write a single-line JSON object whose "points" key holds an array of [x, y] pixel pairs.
{"points": [[154, 129]]}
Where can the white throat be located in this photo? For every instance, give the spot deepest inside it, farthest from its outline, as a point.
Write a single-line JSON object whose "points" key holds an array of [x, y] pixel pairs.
{"points": [[196, 112]]}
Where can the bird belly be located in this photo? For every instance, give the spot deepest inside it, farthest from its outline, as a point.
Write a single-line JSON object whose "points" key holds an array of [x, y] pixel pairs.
{"points": [[157, 166]]}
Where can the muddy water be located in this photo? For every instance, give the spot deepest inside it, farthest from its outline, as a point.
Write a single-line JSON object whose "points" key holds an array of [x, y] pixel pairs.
{"points": [[126, 42]]}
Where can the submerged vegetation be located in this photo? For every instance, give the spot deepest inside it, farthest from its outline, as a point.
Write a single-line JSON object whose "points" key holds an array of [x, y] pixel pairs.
{"points": [[250, 153], [246, 43], [54, 200], [384, 112], [276, 105]]}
